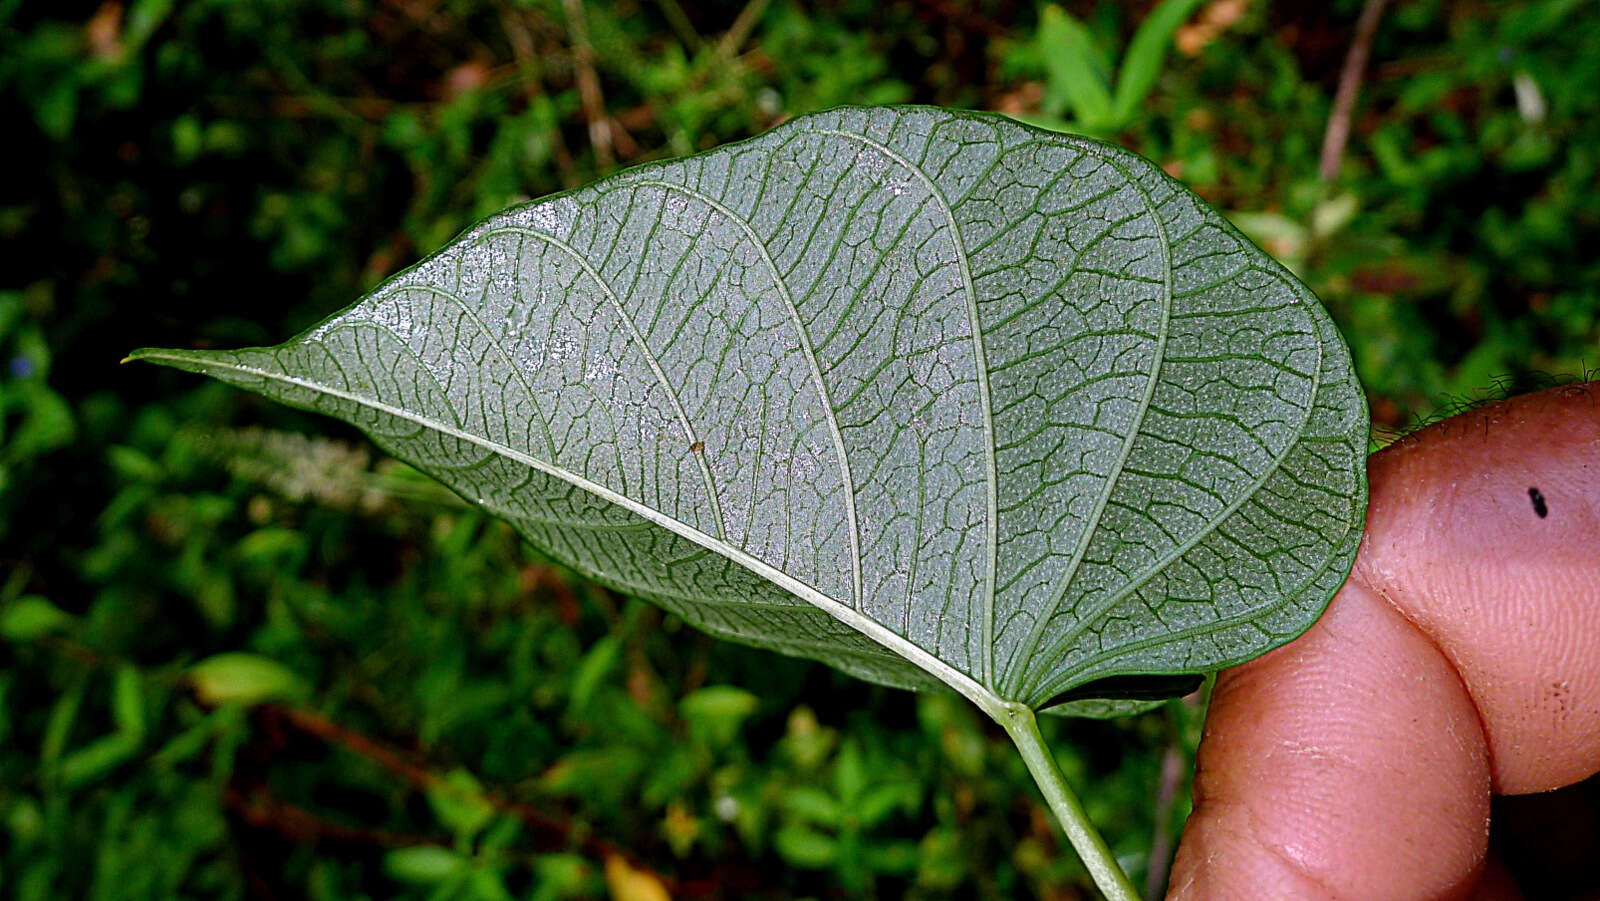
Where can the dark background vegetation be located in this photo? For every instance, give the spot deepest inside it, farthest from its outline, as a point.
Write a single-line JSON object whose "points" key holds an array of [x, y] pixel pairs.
{"points": [[242, 657]]}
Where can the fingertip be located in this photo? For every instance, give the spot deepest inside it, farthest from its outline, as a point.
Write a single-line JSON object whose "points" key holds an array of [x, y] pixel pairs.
{"points": [[1482, 531], [1348, 764], [1223, 856]]}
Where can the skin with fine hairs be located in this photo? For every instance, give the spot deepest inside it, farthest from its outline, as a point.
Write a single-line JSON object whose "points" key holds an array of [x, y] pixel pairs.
{"points": [[1461, 659]]}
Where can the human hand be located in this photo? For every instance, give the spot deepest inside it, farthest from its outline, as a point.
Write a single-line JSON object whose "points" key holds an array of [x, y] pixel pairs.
{"points": [[1462, 658]]}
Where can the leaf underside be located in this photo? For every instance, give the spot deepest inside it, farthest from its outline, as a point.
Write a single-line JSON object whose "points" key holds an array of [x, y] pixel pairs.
{"points": [[926, 395]]}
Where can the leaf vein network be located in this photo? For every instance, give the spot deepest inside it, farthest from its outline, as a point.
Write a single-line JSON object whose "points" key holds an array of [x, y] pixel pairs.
{"points": [[804, 339], [690, 437], [985, 400]]}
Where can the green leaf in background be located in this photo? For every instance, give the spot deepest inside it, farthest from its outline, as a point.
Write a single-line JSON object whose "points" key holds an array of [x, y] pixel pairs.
{"points": [[423, 864], [30, 618], [459, 803], [242, 678], [926, 395], [716, 712]]}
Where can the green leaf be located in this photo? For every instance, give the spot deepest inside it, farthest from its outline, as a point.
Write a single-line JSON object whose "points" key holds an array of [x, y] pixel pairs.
{"points": [[237, 677], [803, 846], [849, 773], [930, 396], [96, 758], [942, 860], [877, 802], [719, 702], [716, 712], [63, 716], [592, 672], [459, 803], [30, 618], [45, 423], [423, 864], [813, 805], [127, 701], [486, 885]]}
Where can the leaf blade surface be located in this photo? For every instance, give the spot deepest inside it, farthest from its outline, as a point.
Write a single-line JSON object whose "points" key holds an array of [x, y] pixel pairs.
{"points": [[918, 393]]}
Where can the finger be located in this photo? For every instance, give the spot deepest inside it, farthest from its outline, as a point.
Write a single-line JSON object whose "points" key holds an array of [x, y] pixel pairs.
{"points": [[1348, 764], [1484, 530], [1316, 754]]}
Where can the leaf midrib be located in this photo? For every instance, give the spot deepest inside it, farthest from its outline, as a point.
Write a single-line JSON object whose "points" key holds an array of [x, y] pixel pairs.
{"points": [[986, 700]]}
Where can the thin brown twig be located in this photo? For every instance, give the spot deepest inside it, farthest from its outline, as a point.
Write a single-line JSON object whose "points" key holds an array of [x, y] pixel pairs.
{"points": [[627, 148], [265, 810], [679, 21], [262, 809], [1344, 99], [520, 37], [1175, 764], [963, 17], [319, 726], [552, 831], [739, 31], [594, 106], [1155, 881]]}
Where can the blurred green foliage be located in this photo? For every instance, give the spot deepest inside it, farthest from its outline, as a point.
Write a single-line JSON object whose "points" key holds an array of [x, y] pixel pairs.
{"points": [[240, 657]]}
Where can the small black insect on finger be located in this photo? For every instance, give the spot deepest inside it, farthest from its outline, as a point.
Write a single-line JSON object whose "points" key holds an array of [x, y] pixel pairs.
{"points": [[1539, 508]]}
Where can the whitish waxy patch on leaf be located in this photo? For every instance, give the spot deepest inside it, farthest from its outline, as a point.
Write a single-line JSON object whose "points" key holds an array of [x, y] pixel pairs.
{"points": [[913, 392]]}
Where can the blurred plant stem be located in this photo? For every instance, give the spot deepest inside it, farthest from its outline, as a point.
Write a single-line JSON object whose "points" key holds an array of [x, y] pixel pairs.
{"points": [[1023, 727]]}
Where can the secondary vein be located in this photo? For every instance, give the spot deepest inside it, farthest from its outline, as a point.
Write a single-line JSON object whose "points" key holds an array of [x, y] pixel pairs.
{"points": [[650, 358], [1092, 525], [985, 402], [810, 353]]}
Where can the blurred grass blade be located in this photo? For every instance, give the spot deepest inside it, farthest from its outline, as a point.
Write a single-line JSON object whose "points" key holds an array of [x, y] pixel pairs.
{"points": [[1146, 54], [1077, 66], [127, 701], [96, 759]]}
